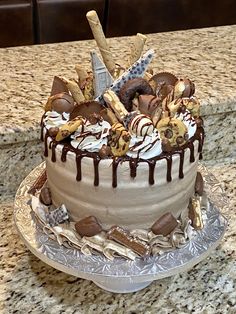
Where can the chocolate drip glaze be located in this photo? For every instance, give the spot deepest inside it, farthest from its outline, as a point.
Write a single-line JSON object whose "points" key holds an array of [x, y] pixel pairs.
{"points": [[133, 168], [133, 162], [151, 164], [115, 164], [96, 172], [181, 164], [169, 167]]}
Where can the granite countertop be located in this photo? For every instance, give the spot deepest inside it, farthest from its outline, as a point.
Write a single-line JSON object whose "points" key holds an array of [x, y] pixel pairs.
{"points": [[28, 285], [26, 73]]}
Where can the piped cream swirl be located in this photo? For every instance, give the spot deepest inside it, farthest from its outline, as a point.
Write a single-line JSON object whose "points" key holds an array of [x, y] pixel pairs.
{"points": [[55, 119]]}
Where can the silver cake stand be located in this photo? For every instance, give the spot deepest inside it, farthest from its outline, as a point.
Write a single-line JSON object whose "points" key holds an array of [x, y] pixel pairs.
{"points": [[121, 275]]}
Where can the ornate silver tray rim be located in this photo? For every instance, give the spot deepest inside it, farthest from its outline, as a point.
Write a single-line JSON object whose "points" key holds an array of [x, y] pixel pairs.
{"points": [[72, 261]]}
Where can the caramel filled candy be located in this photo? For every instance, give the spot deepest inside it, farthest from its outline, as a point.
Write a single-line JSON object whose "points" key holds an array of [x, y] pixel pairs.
{"points": [[45, 196], [62, 102], [88, 226], [164, 225], [53, 131], [199, 184], [39, 182], [104, 151]]}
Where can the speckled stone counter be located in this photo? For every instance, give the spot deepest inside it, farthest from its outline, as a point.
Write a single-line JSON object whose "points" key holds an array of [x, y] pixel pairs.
{"points": [[28, 285], [207, 56]]}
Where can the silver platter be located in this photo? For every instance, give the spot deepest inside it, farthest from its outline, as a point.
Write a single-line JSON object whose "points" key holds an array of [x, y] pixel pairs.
{"points": [[126, 275]]}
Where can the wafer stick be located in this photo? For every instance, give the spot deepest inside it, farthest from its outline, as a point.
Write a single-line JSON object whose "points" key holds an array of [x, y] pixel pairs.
{"points": [[82, 73], [75, 90], [137, 47], [100, 39]]}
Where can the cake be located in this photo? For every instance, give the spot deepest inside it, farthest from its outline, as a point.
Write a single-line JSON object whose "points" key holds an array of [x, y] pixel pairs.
{"points": [[121, 154]]}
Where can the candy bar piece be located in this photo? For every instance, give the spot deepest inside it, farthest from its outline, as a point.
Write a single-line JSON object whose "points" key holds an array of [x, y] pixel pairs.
{"points": [[74, 89], [45, 196], [164, 225], [88, 227], [123, 237], [68, 128], [137, 47], [195, 213], [100, 39], [138, 69], [102, 78], [114, 102], [199, 184], [58, 86], [39, 182], [57, 216]]}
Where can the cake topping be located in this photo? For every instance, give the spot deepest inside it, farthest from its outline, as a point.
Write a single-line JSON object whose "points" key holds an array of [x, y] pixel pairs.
{"points": [[57, 216], [91, 136], [195, 213], [45, 196], [199, 184], [165, 78], [68, 128], [164, 225], [105, 151], [53, 131], [62, 102], [119, 140], [122, 236], [148, 104], [58, 86], [131, 88], [55, 119], [39, 183], [174, 130], [88, 226]]}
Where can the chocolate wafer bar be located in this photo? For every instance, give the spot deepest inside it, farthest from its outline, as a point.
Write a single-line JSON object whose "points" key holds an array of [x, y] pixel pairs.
{"points": [[39, 182], [123, 237]]}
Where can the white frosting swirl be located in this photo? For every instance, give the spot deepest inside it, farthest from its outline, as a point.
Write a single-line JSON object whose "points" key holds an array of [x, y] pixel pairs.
{"points": [[91, 137], [189, 121], [55, 119], [145, 147]]}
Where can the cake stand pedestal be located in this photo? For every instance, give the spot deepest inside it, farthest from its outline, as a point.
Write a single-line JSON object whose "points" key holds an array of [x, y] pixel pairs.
{"points": [[121, 275]]}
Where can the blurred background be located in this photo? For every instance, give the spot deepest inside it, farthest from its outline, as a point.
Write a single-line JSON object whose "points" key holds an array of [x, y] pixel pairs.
{"points": [[27, 22]]}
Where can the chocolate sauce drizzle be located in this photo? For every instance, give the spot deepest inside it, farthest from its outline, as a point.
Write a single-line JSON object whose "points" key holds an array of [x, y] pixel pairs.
{"points": [[133, 162]]}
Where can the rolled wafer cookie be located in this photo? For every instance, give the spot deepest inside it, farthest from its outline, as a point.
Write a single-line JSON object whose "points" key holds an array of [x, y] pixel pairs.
{"points": [[100, 39], [137, 47], [74, 89], [68, 128], [114, 102]]}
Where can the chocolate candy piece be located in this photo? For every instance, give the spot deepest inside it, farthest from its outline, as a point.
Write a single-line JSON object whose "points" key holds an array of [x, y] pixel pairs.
{"points": [[199, 184], [53, 131], [199, 122], [189, 88], [62, 102], [45, 196], [85, 109], [123, 237], [147, 104], [164, 225], [164, 77], [88, 226], [58, 86], [130, 88], [104, 151], [39, 182], [94, 118], [165, 145]]}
